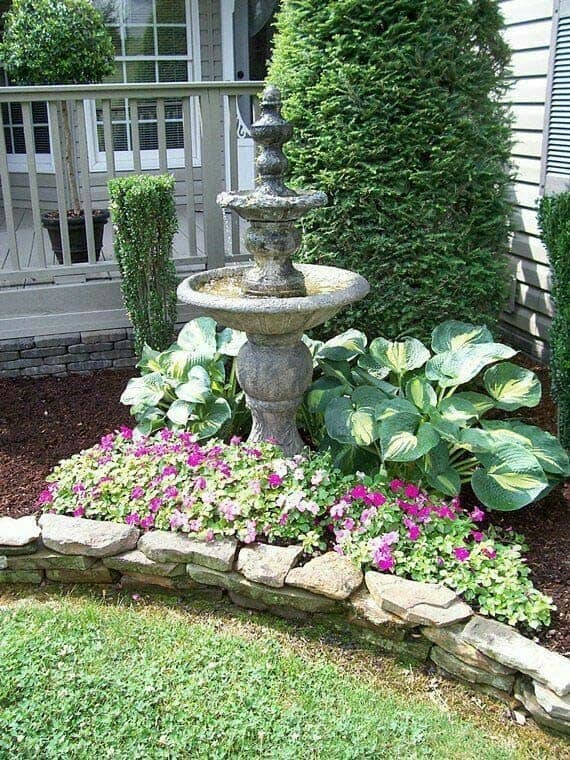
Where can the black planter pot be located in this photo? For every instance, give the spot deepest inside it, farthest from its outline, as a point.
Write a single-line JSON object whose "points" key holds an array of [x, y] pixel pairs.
{"points": [[77, 234]]}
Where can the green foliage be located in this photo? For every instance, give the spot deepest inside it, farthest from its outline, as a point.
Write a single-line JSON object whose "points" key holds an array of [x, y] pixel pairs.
{"points": [[398, 118], [56, 42], [554, 221], [396, 404], [188, 386], [145, 222]]}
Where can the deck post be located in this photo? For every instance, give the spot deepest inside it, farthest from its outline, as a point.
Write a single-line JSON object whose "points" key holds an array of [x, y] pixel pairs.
{"points": [[212, 176]]}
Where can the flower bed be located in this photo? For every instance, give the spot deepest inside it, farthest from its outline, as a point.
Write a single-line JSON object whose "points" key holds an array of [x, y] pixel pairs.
{"points": [[169, 481], [423, 620]]}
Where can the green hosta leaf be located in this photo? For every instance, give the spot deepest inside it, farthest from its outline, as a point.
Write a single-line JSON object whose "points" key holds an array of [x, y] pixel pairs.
{"points": [[198, 337], [440, 475], [399, 356], [360, 378], [149, 360], [363, 426], [197, 388], [512, 386], [229, 342], [216, 371], [396, 406], [350, 426], [462, 365], [510, 478], [458, 410], [179, 412], [350, 459], [323, 391], [452, 334], [338, 370], [175, 362], [420, 393], [402, 441], [148, 390], [545, 447], [373, 368], [150, 420], [480, 441], [210, 417], [343, 347], [449, 431], [314, 347], [367, 396], [481, 402]]}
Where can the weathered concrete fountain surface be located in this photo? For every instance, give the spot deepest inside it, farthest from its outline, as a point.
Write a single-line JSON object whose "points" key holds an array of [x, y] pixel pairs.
{"points": [[271, 300]]}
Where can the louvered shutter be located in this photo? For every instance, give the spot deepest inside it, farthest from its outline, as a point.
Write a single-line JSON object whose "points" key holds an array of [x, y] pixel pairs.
{"points": [[558, 138]]}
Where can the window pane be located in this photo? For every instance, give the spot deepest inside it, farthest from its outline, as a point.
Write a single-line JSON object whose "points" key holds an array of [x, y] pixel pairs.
{"points": [[19, 141], [171, 40], [39, 113], [140, 71], [41, 139], [8, 138], [174, 134], [137, 11], [173, 71], [116, 76], [148, 136], [170, 11], [115, 33], [16, 113], [173, 109], [147, 110], [120, 141], [139, 40]]}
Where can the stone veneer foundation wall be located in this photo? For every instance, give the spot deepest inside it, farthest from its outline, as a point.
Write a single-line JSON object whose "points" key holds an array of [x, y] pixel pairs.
{"points": [[425, 621]]}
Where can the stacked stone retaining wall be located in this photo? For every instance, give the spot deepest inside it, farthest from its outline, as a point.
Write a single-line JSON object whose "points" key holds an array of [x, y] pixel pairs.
{"points": [[425, 621]]}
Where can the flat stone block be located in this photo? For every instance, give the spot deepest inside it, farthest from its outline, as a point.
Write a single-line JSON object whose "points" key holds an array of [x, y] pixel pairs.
{"points": [[131, 580], [429, 604], [18, 532], [263, 563], [45, 559], [450, 638], [16, 344], [89, 366], [555, 706], [86, 348], [166, 546], [457, 667], [34, 353], [47, 341], [279, 597], [92, 538], [96, 574], [525, 693], [44, 369], [331, 575], [120, 363], [365, 612], [136, 562], [13, 551], [103, 336], [21, 576], [8, 356], [503, 643]]}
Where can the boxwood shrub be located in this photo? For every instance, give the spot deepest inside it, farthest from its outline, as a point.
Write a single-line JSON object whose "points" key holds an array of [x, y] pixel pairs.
{"points": [[398, 116]]}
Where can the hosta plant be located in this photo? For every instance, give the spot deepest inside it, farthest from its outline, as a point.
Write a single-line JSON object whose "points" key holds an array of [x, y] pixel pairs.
{"points": [[190, 386], [421, 413]]}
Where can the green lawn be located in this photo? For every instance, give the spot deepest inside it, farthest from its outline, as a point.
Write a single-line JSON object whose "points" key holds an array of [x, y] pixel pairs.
{"points": [[83, 676]]}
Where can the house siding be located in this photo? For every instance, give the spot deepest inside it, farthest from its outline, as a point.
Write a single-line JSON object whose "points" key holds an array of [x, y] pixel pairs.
{"points": [[529, 25]]}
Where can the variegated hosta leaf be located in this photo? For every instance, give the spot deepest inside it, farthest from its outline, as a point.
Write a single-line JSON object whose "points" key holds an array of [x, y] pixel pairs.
{"points": [[367, 396], [350, 459], [323, 391], [179, 412], [449, 431], [438, 472], [399, 356], [512, 386], [314, 347], [147, 390], [462, 365], [402, 440], [545, 447], [452, 334], [420, 393], [229, 342], [209, 417], [149, 360], [198, 337], [481, 402], [148, 420], [340, 371], [343, 347], [350, 425], [373, 368], [197, 388], [175, 362], [458, 410], [509, 478], [395, 406]]}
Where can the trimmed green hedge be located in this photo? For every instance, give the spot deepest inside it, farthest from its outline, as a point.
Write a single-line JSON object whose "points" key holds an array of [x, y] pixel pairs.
{"points": [[554, 221], [144, 216], [397, 118]]}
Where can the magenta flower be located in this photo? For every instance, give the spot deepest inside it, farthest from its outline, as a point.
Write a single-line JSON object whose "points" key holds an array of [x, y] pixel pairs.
{"points": [[368, 514], [235, 440], [155, 504], [383, 559], [137, 493], [489, 553], [79, 488], [445, 511], [414, 532], [166, 434], [107, 442], [147, 522], [171, 492], [126, 433], [79, 511], [477, 515], [170, 469], [358, 492], [375, 498], [132, 518], [200, 483], [195, 459], [255, 453], [45, 497], [477, 536], [461, 553], [274, 480], [396, 485], [283, 517], [412, 492], [348, 524], [210, 535]]}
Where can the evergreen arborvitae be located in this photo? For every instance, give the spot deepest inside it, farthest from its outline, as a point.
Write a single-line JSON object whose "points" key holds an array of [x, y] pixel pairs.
{"points": [[398, 118]]}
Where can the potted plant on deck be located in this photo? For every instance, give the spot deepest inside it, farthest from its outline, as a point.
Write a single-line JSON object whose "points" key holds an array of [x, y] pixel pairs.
{"points": [[60, 42]]}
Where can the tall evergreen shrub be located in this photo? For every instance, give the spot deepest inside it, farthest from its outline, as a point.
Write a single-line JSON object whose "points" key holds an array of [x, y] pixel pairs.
{"points": [[397, 112], [554, 221], [144, 216]]}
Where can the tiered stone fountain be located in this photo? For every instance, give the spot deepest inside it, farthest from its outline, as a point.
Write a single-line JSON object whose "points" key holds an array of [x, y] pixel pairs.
{"points": [[272, 301]]}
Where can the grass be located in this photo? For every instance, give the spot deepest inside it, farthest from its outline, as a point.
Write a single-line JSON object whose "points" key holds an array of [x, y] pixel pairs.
{"points": [[85, 675]]}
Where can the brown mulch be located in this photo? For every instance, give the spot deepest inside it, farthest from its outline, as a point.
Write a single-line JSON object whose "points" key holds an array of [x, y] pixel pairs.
{"points": [[45, 420]]}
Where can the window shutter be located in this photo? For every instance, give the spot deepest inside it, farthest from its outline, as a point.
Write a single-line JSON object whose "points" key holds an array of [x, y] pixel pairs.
{"points": [[557, 158]]}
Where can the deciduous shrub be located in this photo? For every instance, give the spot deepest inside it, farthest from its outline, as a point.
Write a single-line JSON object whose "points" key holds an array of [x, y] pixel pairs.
{"points": [[397, 111], [144, 216], [171, 481], [554, 220]]}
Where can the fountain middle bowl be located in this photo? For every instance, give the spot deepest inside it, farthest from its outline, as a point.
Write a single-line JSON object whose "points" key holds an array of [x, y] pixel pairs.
{"points": [[217, 294]]}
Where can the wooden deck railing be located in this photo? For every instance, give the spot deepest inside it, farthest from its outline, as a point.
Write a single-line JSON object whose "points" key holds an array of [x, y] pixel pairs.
{"points": [[193, 130]]}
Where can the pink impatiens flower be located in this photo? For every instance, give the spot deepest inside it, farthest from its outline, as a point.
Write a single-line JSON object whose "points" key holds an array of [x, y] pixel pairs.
{"points": [[477, 536], [396, 485], [171, 492], [196, 458], [137, 493], [489, 553], [477, 515], [461, 553], [155, 504], [358, 492], [235, 440], [126, 433], [201, 483], [147, 522], [274, 480], [132, 518], [375, 498], [45, 497], [79, 511], [170, 469], [412, 492], [337, 511]]}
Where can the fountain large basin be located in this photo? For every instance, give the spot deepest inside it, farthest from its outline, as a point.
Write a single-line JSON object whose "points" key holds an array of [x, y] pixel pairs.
{"points": [[218, 294]]}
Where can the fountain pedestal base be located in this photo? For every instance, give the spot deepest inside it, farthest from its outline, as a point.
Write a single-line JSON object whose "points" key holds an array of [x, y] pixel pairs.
{"points": [[275, 371]]}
